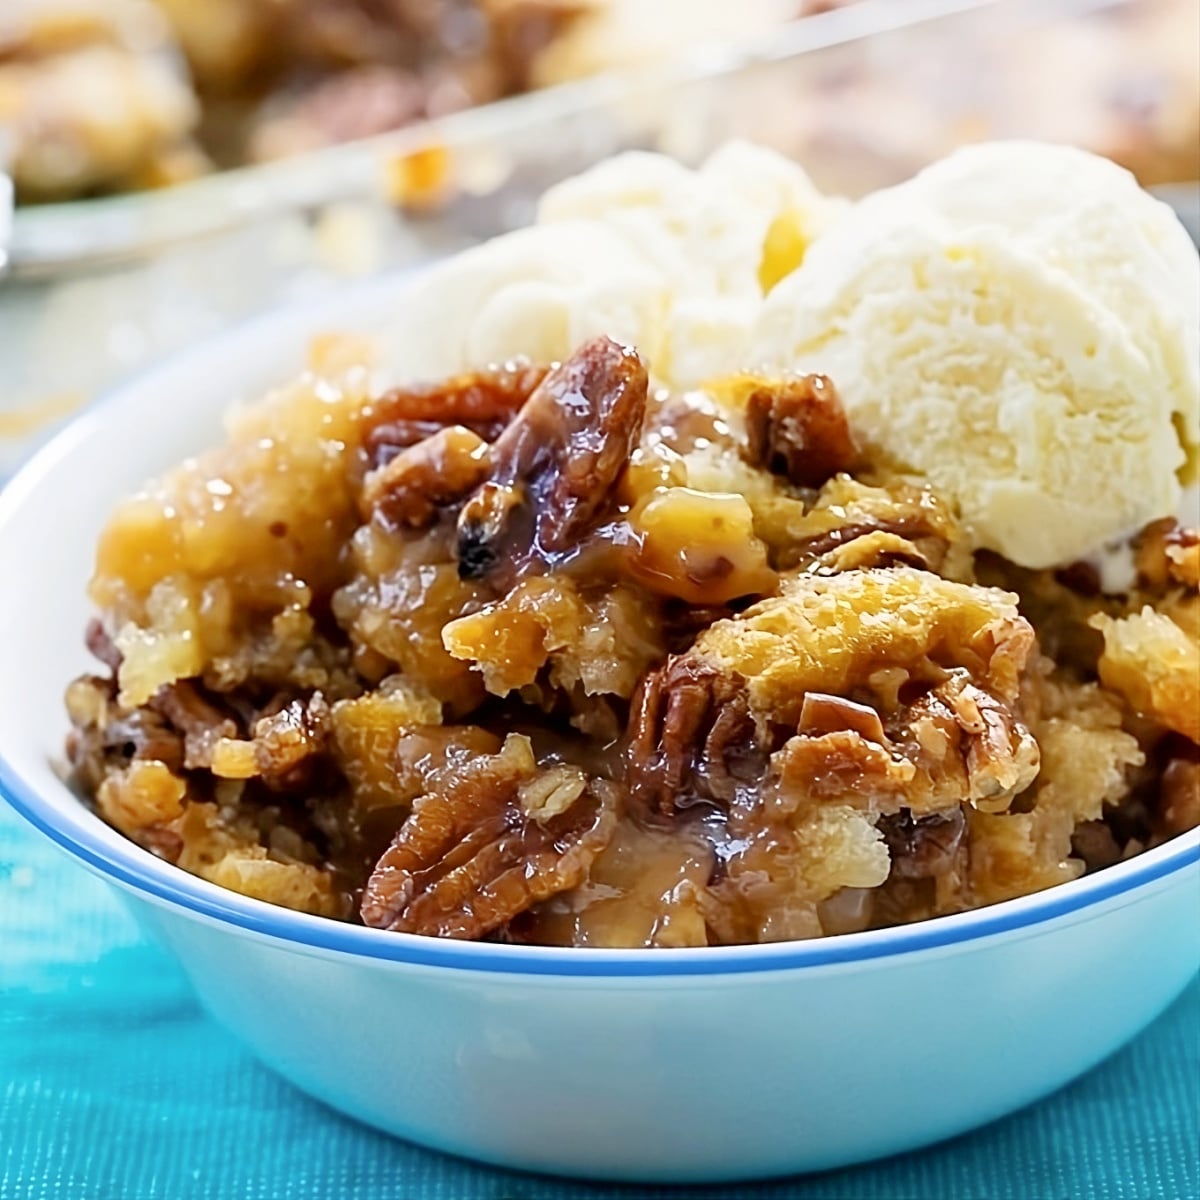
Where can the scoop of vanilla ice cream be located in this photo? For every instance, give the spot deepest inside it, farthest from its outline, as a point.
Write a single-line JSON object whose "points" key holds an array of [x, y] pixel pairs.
{"points": [[672, 260], [740, 222], [537, 292], [1020, 323], [721, 236]]}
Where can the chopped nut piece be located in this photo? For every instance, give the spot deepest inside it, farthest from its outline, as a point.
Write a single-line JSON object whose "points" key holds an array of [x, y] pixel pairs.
{"points": [[829, 714], [1001, 757], [875, 548], [551, 793], [854, 527], [798, 429], [101, 646], [290, 739], [200, 721], [1166, 555]]}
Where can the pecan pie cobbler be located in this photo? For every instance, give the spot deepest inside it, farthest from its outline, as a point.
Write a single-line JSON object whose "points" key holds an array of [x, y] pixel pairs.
{"points": [[546, 654]]}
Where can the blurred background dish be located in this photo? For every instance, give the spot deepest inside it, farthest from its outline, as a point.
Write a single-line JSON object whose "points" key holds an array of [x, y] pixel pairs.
{"points": [[100, 95], [1132, 94], [121, 95], [93, 95]]}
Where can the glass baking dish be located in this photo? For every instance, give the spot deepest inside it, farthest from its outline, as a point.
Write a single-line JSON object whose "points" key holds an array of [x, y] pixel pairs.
{"points": [[863, 95]]}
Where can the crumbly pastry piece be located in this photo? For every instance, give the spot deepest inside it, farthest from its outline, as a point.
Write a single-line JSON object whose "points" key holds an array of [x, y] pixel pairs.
{"points": [[601, 642], [1088, 763], [223, 567], [544, 653], [1155, 665]]}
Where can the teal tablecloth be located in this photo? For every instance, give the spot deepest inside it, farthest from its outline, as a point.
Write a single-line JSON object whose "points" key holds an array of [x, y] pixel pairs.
{"points": [[114, 1086]]}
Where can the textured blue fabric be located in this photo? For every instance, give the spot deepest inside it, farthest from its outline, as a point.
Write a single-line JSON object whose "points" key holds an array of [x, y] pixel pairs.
{"points": [[114, 1086]]}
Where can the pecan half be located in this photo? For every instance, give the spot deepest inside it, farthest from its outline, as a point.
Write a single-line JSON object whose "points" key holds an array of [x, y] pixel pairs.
{"points": [[955, 745], [471, 856], [692, 737], [482, 401], [409, 489], [1000, 755], [798, 429], [922, 846], [555, 465]]}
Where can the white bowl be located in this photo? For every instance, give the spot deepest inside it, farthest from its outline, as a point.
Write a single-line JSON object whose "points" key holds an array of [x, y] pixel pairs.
{"points": [[679, 1066]]}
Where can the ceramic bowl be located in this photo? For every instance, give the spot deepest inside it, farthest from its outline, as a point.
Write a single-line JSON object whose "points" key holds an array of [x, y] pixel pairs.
{"points": [[658, 1065]]}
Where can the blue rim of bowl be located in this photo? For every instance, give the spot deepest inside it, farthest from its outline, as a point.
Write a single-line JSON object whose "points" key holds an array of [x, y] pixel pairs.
{"points": [[127, 864], [137, 869]]}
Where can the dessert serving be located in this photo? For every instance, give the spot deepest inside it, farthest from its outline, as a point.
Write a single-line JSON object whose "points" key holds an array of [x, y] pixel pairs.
{"points": [[721, 563]]}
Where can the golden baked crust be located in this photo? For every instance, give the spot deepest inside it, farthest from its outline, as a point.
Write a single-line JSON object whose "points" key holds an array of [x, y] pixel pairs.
{"points": [[831, 633]]}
